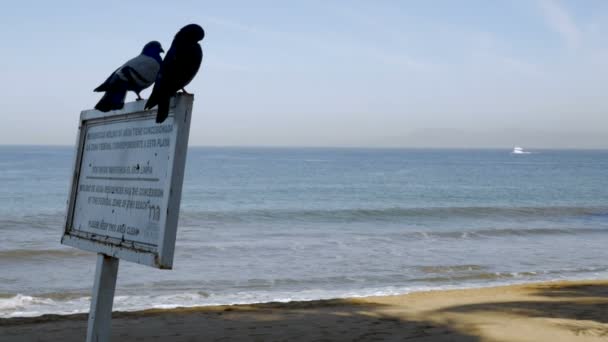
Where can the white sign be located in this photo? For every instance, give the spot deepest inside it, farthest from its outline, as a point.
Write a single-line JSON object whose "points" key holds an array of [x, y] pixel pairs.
{"points": [[127, 182]]}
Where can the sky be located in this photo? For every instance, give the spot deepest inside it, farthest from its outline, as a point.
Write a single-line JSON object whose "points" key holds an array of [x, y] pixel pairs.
{"points": [[470, 73]]}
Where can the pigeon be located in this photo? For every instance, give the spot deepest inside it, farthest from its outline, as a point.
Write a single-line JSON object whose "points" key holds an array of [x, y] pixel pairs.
{"points": [[135, 75], [179, 67]]}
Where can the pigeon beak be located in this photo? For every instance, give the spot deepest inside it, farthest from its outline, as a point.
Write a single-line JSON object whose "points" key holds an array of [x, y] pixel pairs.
{"points": [[162, 51]]}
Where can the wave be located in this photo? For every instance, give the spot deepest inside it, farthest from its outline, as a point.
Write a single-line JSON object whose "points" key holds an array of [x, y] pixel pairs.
{"points": [[24, 254], [41, 220], [465, 276], [498, 232], [466, 273], [409, 235], [189, 217], [450, 268]]}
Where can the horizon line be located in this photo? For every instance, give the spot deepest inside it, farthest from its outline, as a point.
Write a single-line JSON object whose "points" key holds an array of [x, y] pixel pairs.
{"points": [[350, 147]]}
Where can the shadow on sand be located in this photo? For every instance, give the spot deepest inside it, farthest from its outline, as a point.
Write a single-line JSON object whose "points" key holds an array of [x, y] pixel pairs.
{"points": [[581, 308], [332, 320], [577, 302]]}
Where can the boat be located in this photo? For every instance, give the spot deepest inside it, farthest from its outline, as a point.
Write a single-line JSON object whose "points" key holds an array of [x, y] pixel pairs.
{"points": [[519, 150]]}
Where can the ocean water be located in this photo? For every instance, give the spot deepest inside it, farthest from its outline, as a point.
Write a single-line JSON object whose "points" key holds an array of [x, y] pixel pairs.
{"points": [[266, 224]]}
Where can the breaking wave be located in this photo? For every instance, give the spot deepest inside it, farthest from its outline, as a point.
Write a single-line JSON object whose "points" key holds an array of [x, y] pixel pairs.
{"points": [[437, 278]]}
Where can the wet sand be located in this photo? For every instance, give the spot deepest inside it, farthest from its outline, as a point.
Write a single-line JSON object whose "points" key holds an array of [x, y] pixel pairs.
{"points": [[555, 311]]}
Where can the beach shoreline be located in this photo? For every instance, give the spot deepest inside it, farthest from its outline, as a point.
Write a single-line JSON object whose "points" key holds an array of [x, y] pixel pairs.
{"points": [[556, 311]]}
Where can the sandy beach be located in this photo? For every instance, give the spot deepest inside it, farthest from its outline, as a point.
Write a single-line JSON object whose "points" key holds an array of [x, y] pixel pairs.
{"points": [[554, 311]]}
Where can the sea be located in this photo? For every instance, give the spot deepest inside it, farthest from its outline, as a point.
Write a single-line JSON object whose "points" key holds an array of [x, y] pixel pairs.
{"points": [[290, 224]]}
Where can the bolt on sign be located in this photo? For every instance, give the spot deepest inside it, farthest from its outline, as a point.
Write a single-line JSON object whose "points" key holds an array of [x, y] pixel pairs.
{"points": [[127, 182]]}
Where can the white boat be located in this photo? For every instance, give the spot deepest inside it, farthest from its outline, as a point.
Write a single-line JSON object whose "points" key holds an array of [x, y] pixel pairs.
{"points": [[519, 150]]}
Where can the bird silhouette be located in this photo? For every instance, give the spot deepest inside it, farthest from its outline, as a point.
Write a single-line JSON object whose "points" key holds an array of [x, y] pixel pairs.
{"points": [[179, 67], [135, 75]]}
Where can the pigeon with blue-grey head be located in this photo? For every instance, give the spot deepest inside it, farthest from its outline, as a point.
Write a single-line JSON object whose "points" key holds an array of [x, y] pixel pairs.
{"points": [[178, 68], [135, 75]]}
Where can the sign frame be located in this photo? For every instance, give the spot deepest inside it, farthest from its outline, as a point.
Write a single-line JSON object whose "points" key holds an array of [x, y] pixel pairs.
{"points": [[160, 256]]}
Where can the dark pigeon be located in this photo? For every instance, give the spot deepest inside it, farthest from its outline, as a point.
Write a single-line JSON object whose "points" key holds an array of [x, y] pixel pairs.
{"points": [[177, 69], [135, 75]]}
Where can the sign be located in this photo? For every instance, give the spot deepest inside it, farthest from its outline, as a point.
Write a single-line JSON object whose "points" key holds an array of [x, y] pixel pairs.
{"points": [[127, 182]]}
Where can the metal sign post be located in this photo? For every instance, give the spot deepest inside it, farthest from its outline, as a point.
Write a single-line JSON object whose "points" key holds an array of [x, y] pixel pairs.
{"points": [[100, 315], [125, 195]]}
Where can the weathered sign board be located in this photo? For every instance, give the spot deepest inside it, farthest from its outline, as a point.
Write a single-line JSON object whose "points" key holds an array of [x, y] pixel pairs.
{"points": [[125, 194], [127, 181]]}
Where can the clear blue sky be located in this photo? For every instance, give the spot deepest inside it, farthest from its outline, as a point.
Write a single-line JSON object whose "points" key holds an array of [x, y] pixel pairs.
{"points": [[326, 73]]}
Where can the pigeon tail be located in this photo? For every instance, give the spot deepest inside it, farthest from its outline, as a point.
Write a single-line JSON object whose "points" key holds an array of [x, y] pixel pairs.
{"points": [[105, 86], [163, 110], [102, 87], [112, 100], [151, 101]]}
